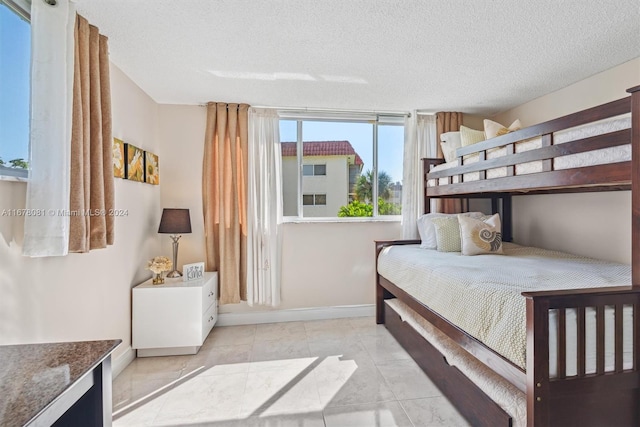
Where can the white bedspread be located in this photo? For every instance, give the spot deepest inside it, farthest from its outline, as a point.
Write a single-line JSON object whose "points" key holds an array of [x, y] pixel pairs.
{"points": [[482, 294]]}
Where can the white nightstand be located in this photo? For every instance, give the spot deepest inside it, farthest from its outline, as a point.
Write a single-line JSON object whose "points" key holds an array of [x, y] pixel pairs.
{"points": [[175, 317]]}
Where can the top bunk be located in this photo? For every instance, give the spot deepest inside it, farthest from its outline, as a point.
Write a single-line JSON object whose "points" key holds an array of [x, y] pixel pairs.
{"points": [[590, 150]]}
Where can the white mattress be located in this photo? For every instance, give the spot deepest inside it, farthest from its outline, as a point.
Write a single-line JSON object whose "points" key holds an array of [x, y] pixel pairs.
{"points": [[482, 295], [621, 153]]}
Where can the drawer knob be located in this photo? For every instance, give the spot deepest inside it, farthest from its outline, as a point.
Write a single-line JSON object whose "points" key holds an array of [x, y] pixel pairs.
{"points": [[210, 318], [210, 294]]}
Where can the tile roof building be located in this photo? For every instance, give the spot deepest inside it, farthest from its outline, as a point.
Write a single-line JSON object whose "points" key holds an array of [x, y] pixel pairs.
{"points": [[322, 148], [330, 170]]}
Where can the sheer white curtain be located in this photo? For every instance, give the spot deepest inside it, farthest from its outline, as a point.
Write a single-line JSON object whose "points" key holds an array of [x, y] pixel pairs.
{"points": [[419, 142], [52, 64], [264, 205]]}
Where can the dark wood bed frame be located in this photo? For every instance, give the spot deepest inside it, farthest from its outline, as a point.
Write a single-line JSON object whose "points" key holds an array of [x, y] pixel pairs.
{"points": [[598, 399]]}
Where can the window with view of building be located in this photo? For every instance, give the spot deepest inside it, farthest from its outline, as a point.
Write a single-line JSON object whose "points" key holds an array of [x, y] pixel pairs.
{"points": [[15, 59], [346, 168]]}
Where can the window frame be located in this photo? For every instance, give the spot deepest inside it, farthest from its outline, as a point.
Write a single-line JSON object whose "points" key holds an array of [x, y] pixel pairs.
{"points": [[22, 8], [376, 119]]}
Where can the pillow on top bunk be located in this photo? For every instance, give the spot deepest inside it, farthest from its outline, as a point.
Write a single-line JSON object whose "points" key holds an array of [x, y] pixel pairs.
{"points": [[470, 136], [450, 142], [480, 237], [493, 129], [427, 230]]}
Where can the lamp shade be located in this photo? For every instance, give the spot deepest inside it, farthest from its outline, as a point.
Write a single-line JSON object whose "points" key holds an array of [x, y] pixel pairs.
{"points": [[175, 221]]}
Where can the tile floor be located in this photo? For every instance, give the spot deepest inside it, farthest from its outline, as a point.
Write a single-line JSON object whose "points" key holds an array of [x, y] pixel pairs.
{"points": [[326, 373]]}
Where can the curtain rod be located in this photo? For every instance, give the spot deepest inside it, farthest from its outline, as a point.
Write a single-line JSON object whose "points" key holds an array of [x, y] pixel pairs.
{"points": [[339, 111]]}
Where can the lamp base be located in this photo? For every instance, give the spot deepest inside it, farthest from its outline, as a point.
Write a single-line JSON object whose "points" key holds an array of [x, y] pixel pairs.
{"points": [[173, 274]]}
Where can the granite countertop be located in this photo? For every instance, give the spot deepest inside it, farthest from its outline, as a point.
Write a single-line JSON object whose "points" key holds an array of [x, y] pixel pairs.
{"points": [[34, 375]]}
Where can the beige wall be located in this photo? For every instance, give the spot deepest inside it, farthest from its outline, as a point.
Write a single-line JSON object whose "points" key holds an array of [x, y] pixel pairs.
{"points": [[595, 90], [84, 296], [323, 264], [473, 122], [181, 138], [591, 224]]}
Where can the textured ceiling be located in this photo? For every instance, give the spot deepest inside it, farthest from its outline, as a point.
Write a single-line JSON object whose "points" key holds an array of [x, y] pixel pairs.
{"points": [[474, 56]]}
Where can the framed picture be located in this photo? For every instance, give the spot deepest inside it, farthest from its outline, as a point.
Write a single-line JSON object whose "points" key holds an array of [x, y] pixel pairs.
{"points": [[134, 163], [152, 171], [193, 271], [118, 158]]}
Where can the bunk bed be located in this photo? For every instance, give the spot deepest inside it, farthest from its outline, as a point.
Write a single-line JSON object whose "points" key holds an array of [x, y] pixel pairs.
{"points": [[554, 394]]}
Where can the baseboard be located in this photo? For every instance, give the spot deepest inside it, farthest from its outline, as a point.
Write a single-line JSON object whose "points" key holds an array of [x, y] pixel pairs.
{"points": [[118, 365], [167, 351], [295, 315]]}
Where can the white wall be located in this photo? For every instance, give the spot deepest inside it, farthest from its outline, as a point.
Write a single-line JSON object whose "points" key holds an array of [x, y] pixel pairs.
{"points": [[591, 224], [84, 296], [335, 185], [323, 264]]}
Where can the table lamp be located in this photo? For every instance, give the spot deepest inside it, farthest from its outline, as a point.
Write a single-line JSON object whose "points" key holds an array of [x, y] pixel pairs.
{"points": [[175, 222]]}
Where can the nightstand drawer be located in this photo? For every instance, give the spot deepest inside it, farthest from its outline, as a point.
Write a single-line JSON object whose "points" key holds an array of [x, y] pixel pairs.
{"points": [[209, 291], [208, 320]]}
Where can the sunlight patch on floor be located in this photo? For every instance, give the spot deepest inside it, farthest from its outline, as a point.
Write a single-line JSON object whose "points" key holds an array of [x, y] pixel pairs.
{"points": [[228, 392]]}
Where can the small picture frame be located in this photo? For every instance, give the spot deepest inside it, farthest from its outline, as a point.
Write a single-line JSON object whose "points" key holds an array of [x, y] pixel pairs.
{"points": [[151, 170], [193, 271], [118, 158], [134, 165]]}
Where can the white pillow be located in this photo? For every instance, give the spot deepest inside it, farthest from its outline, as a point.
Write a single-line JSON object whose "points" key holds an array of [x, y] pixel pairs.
{"points": [[493, 129], [427, 230], [450, 142], [480, 237]]}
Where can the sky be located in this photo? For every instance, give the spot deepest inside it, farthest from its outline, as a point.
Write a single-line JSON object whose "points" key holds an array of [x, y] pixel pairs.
{"points": [[15, 45], [360, 135]]}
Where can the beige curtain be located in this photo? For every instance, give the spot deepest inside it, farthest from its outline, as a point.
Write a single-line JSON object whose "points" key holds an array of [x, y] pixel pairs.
{"points": [[91, 187], [448, 122], [224, 197]]}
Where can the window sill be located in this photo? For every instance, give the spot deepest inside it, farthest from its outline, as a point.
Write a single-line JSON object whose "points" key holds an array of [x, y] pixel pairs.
{"points": [[348, 220], [11, 178], [13, 174]]}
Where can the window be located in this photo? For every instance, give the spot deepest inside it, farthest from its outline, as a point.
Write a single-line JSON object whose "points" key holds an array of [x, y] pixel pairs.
{"points": [[348, 167], [15, 59], [314, 170], [314, 199]]}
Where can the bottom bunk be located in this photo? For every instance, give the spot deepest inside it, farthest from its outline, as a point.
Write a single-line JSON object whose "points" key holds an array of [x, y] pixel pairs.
{"points": [[487, 401], [576, 391]]}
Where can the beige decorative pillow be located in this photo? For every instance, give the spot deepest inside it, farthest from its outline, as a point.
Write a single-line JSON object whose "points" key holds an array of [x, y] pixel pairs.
{"points": [[493, 129], [450, 142], [470, 136], [480, 237], [427, 230]]}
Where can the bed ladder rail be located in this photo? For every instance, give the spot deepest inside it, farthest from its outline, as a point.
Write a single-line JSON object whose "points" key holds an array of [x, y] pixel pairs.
{"points": [[590, 384]]}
